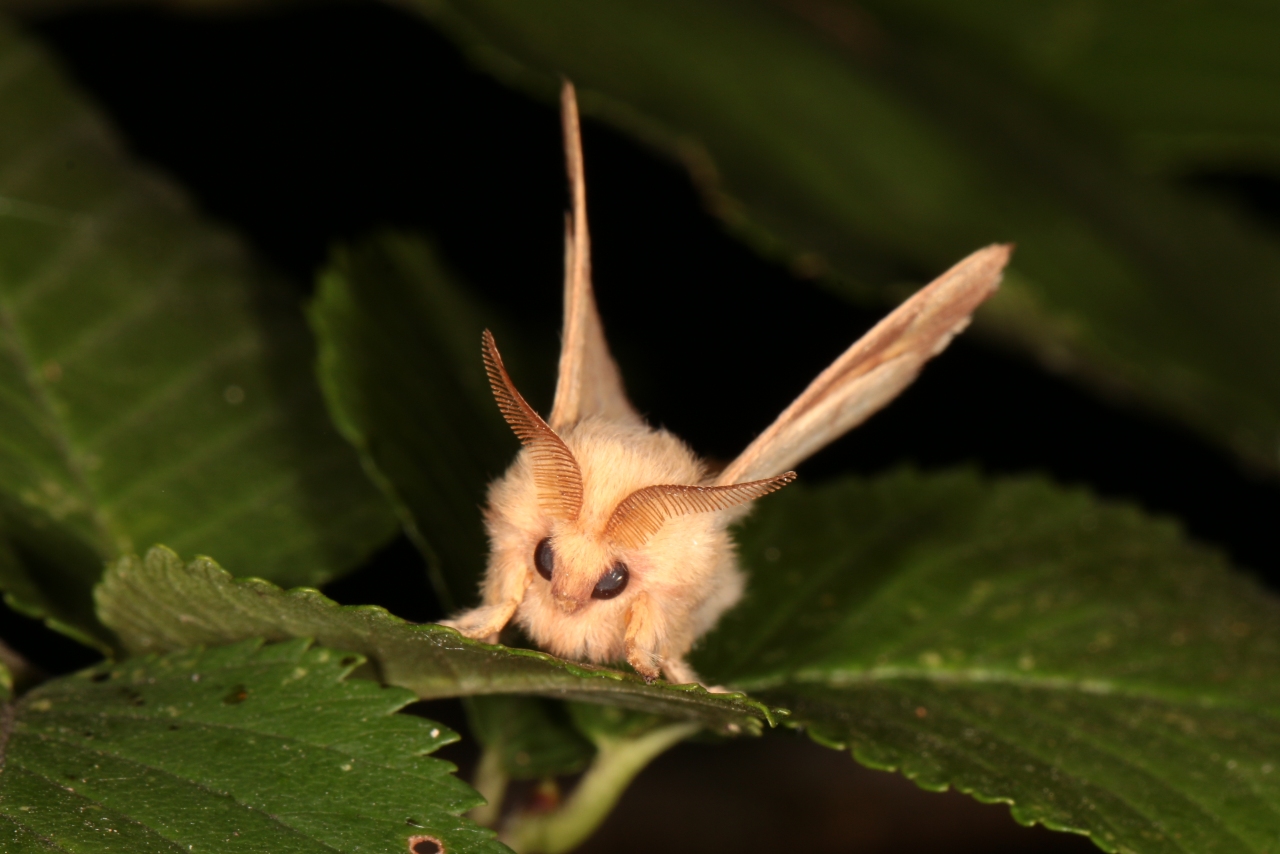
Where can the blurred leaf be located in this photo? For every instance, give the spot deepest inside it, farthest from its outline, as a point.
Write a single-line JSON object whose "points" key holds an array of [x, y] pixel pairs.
{"points": [[532, 738], [855, 150], [155, 384], [242, 748], [1021, 643], [400, 367], [1188, 84], [159, 604]]}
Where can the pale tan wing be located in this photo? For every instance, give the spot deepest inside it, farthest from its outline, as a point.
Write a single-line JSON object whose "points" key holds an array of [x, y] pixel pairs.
{"points": [[589, 382], [875, 369]]}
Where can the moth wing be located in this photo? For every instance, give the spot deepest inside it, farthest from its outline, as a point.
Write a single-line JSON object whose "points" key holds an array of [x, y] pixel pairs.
{"points": [[875, 369], [588, 382]]}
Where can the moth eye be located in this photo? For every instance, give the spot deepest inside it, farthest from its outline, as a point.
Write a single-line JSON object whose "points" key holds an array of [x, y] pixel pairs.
{"points": [[544, 559], [612, 582]]}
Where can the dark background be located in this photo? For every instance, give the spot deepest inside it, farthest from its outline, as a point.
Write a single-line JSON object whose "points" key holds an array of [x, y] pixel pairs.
{"points": [[301, 128]]}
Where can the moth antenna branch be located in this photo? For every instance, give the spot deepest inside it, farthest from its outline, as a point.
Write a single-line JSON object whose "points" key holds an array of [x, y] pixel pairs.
{"points": [[555, 471], [639, 516]]}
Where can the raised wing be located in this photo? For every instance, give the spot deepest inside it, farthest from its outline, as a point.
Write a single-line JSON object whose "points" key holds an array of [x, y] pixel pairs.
{"points": [[875, 369], [588, 382]]}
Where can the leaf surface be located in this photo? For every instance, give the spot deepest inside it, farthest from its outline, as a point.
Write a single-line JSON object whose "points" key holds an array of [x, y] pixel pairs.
{"points": [[239, 748], [155, 383], [1021, 643], [158, 603], [867, 150]]}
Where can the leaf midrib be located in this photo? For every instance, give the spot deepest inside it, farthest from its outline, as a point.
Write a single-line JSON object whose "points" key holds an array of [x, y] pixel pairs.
{"points": [[976, 676], [57, 429], [12, 819]]}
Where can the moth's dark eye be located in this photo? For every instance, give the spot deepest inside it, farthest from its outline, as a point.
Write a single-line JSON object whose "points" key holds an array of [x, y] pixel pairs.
{"points": [[544, 559], [612, 582]]}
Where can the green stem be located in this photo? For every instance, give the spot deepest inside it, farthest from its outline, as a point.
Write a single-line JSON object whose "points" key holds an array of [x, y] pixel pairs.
{"points": [[617, 762], [491, 782]]}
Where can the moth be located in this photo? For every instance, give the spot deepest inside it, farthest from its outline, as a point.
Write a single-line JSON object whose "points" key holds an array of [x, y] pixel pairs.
{"points": [[609, 539]]}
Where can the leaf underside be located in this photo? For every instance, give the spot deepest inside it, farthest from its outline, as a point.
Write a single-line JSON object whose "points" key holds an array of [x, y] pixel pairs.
{"points": [[158, 603], [1024, 644], [240, 748]]}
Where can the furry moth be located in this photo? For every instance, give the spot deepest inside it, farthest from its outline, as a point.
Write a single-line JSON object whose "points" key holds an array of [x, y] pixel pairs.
{"points": [[609, 538]]}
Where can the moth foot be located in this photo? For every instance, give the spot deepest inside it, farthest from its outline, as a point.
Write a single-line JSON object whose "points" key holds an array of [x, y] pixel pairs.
{"points": [[482, 624], [679, 673], [645, 663]]}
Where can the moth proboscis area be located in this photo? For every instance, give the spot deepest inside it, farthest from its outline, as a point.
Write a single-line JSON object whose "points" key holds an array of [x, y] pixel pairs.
{"points": [[609, 539]]}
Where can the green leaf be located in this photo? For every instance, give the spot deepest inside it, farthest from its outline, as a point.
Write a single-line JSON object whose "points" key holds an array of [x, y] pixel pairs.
{"points": [[159, 604], [1021, 643], [155, 383], [401, 370], [877, 155], [1197, 90], [240, 748]]}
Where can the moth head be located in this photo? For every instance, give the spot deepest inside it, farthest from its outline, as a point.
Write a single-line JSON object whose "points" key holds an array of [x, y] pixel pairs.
{"points": [[595, 542]]}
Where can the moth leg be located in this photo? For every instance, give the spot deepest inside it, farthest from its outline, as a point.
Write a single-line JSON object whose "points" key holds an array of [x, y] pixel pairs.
{"points": [[485, 622], [678, 672], [643, 637]]}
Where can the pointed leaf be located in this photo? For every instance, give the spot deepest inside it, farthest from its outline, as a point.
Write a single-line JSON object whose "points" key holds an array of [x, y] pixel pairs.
{"points": [[240, 748], [401, 370], [1022, 643], [155, 383]]}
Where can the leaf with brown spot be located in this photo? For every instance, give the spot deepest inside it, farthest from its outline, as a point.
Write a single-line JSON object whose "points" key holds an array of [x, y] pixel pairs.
{"points": [[147, 755]]}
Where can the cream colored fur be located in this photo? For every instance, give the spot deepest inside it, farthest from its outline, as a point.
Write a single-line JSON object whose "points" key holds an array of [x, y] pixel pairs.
{"points": [[681, 581]]}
